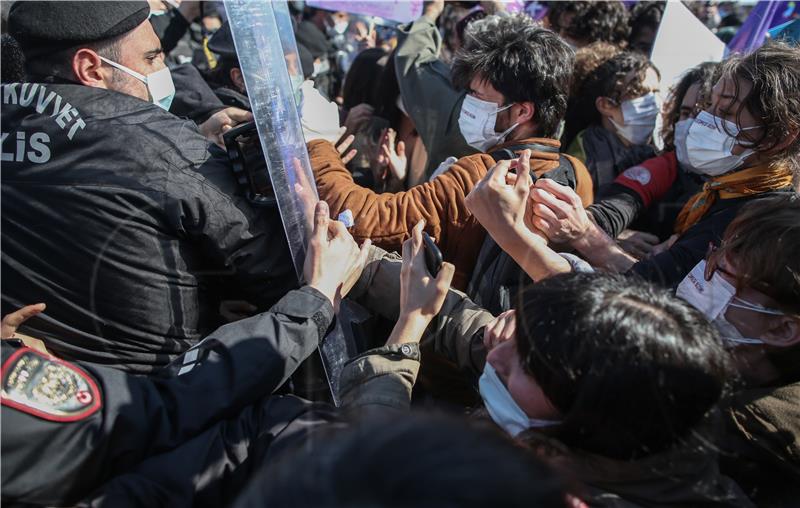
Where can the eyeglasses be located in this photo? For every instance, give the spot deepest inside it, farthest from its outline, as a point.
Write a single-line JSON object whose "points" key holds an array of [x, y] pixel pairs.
{"points": [[713, 265]]}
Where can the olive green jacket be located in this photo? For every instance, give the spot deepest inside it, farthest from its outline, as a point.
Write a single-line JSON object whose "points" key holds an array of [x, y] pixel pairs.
{"points": [[383, 378]]}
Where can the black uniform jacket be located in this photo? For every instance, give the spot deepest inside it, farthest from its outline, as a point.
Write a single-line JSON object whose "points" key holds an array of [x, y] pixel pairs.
{"points": [[70, 427], [116, 215]]}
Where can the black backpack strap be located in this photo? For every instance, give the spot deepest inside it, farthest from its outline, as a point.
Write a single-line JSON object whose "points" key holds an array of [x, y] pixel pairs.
{"points": [[510, 152], [563, 174]]}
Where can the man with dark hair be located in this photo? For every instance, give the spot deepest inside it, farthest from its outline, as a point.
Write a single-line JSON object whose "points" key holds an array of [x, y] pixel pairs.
{"points": [[511, 55], [515, 79], [114, 212], [583, 22]]}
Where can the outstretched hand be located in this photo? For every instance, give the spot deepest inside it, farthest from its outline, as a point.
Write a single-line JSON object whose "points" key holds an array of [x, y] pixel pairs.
{"points": [[503, 328], [392, 155], [421, 295], [499, 201], [342, 148], [638, 244], [221, 122], [432, 9], [558, 212], [333, 261]]}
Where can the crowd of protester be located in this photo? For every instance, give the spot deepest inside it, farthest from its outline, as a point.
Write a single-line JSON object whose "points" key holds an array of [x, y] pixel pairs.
{"points": [[615, 321]]}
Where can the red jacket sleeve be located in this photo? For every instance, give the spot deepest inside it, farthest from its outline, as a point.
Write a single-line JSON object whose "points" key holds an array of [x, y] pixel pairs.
{"points": [[652, 178]]}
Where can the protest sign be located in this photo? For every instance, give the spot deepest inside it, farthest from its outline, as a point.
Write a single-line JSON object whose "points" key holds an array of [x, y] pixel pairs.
{"points": [[682, 42]]}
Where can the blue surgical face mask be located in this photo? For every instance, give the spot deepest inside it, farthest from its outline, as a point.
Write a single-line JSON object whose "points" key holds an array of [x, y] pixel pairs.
{"points": [[159, 83], [502, 407]]}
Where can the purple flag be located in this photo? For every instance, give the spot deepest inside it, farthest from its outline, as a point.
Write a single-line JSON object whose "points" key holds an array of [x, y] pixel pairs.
{"points": [[536, 10], [786, 11], [515, 6], [403, 11], [752, 33]]}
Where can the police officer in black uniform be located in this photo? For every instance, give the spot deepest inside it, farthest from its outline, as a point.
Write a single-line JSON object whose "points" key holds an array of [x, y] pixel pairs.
{"points": [[70, 427], [206, 420], [116, 213]]}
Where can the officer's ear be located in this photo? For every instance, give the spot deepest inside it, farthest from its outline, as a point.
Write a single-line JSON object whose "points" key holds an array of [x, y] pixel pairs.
{"points": [[237, 79], [89, 70]]}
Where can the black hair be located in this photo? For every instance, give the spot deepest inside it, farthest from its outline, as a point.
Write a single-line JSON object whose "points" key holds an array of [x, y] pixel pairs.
{"points": [[522, 61], [359, 84], [609, 79], [592, 21], [59, 63], [705, 74], [645, 15], [467, 20], [407, 461], [632, 369], [12, 66]]}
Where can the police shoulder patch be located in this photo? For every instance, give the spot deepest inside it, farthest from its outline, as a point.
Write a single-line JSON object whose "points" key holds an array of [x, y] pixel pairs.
{"points": [[49, 388]]}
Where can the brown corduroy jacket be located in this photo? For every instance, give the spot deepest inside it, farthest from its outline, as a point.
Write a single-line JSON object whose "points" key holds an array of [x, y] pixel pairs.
{"points": [[388, 218]]}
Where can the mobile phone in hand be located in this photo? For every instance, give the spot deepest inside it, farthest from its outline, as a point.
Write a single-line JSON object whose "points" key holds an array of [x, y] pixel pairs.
{"points": [[433, 256]]}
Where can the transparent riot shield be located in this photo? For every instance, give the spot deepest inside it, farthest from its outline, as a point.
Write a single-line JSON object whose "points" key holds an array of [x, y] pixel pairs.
{"points": [[291, 55], [268, 59]]}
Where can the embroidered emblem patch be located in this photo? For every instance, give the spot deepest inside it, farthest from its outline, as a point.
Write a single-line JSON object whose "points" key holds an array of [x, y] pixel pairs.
{"points": [[637, 174], [47, 387]]}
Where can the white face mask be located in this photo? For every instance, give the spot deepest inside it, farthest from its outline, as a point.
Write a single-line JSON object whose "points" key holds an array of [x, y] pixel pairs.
{"points": [[713, 297], [639, 119], [159, 83], [503, 408], [477, 123], [709, 145]]}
